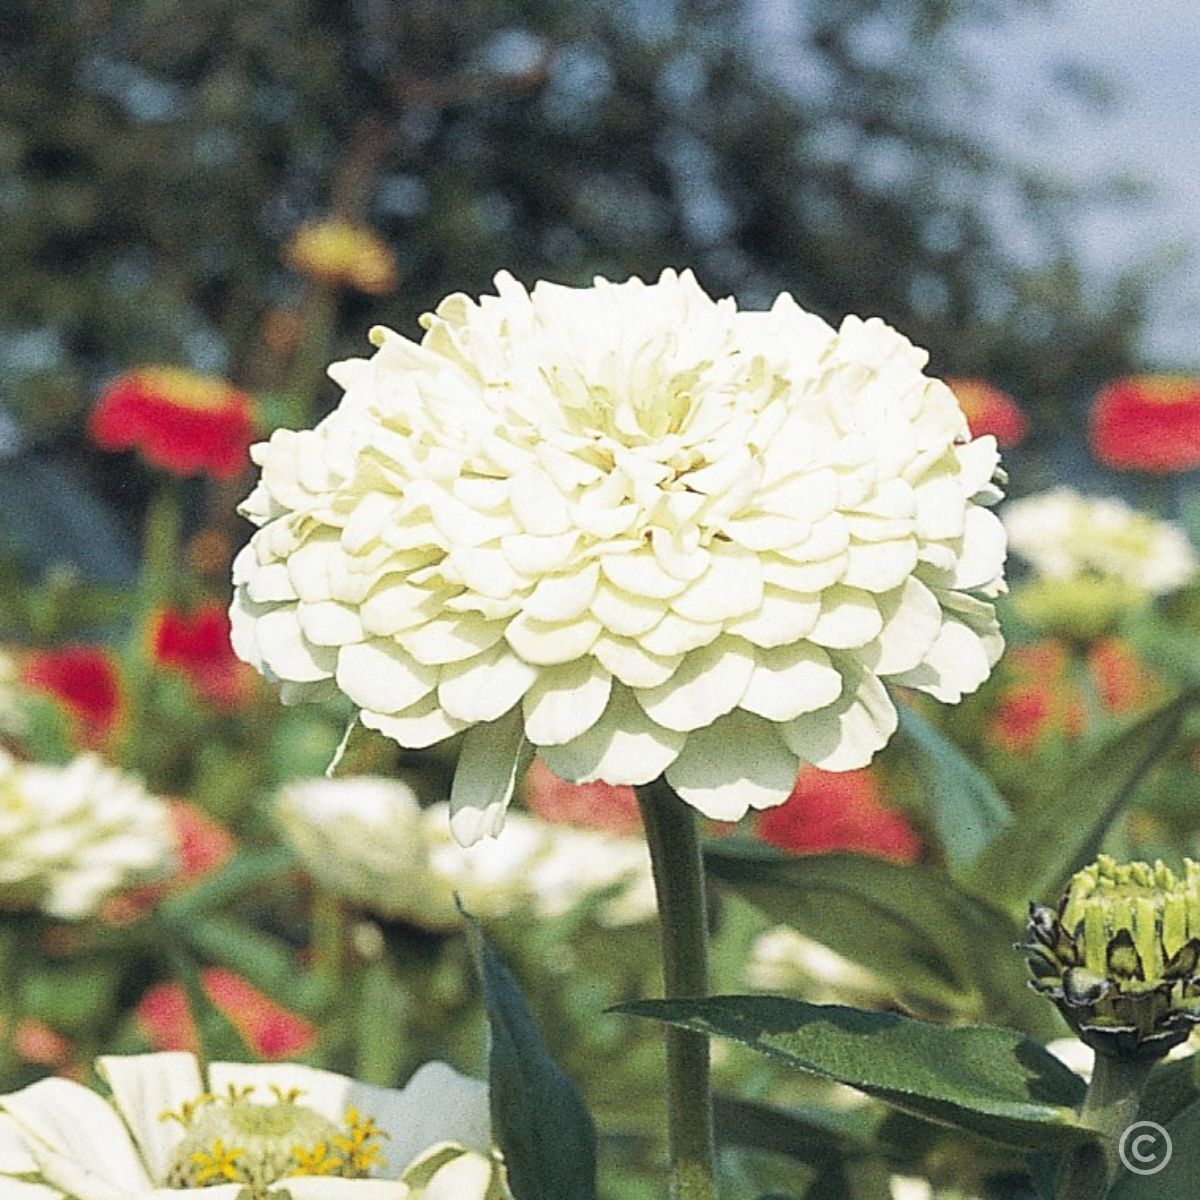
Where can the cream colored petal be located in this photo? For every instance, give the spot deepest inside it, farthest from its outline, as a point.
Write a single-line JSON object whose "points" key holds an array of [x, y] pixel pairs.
{"points": [[955, 665], [288, 653], [451, 639], [16, 1189], [738, 762], [324, 1092], [849, 618], [329, 623], [395, 605], [381, 676], [15, 1158], [532, 556], [564, 597], [492, 760], [632, 664], [78, 1140], [708, 683], [880, 566], [912, 620], [468, 1177], [547, 643], [625, 614], [731, 587], [314, 1187], [847, 734], [638, 572], [803, 577], [791, 680], [784, 617], [423, 724], [624, 747], [144, 1086], [485, 687], [566, 701], [676, 635], [984, 544]]}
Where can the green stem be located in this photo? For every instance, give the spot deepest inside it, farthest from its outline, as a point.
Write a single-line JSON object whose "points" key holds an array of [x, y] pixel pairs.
{"points": [[1110, 1106], [674, 843], [328, 940]]}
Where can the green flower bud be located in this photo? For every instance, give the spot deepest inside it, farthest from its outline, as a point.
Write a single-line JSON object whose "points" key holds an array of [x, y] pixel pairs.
{"points": [[1120, 956]]}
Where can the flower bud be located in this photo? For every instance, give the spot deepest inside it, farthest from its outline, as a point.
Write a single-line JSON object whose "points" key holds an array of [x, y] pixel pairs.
{"points": [[1120, 955]]}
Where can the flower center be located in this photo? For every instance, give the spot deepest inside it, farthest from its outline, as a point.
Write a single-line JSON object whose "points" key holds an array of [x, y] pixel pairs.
{"points": [[236, 1139]]}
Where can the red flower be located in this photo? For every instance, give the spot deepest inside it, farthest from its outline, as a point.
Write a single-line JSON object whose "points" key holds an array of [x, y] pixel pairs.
{"points": [[85, 680], [591, 805], [190, 424], [198, 645], [268, 1029], [989, 410], [1148, 423], [839, 810], [1120, 676]]}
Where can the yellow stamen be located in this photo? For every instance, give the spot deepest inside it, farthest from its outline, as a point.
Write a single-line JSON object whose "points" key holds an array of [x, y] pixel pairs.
{"points": [[217, 1163]]}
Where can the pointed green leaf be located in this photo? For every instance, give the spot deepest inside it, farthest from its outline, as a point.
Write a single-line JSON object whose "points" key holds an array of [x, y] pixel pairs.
{"points": [[539, 1120], [968, 811], [1176, 1180], [992, 1082], [1065, 825]]}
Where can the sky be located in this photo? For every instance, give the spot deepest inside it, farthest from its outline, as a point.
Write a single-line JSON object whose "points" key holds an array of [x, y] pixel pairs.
{"points": [[1150, 53]]}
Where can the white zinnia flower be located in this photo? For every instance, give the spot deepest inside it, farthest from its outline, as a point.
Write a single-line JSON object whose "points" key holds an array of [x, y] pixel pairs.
{"points": [[170, 1131], [782, 960], [368, 839], [70, 836], [632, 529], [1065, 535]]}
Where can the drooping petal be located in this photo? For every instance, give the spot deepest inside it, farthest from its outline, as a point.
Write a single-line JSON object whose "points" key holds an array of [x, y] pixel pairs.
{"points": [[847, 734], [791, 680], [708, 683], [493, 758], [564, 702], [381, 676], [738, 762]]}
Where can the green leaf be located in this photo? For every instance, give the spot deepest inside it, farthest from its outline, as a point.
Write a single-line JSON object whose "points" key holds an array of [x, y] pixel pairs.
{"points": [[812, 1135], [539, 1120], [968, 811], [991, 1082], [1066, 822]]}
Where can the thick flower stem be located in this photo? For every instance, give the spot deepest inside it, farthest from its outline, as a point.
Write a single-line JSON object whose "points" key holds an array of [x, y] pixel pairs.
{"points": [[674, 843], [1111, 1106]]}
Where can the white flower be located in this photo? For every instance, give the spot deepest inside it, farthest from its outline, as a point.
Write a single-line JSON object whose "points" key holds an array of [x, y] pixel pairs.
{"points": [[1065, 535], [634, 530], [169, 1131], [782, 960], [368, 839], [70, 836]]}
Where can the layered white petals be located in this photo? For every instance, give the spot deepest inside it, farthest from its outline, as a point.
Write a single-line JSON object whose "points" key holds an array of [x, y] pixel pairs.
{"points": [[630, 516]]}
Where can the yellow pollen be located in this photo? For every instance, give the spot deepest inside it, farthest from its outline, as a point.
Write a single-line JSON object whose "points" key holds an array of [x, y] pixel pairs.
{"points": [[316, 1161], [217, 1163], [187, 1110]]}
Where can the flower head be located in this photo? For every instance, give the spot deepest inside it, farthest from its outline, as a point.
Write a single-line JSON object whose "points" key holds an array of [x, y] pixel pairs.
{"points": [[197, 644], [70, 836], [241, 1128], [989, 410], [1120, 955], [189, 424], [85, 680], [368, 839], [634, 530], [1095, 559], [828, 811], [339, 253], [1148, 423]]}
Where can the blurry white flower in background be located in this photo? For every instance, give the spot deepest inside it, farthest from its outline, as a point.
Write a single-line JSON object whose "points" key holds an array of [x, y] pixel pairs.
{"points": [[326, 1137], [1064, 535], [367, 839], [782, 960], [72, 835], [633, 529]]}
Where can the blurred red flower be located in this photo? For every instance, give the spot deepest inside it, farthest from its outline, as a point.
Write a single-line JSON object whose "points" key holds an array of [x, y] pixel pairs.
{"points": [[86, 682], [1043, 700], [267, 1028], [185, 422], [989, 410], [198, 645], [1148, 423], [592, 805], [839, 810]]}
